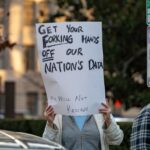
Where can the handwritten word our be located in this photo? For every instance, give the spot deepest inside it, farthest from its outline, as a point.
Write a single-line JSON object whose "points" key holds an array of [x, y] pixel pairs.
{"points": [[77, 51]]}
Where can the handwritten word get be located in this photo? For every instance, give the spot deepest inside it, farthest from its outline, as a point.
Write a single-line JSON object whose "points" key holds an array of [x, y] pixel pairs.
{"points": [[47, 30]]}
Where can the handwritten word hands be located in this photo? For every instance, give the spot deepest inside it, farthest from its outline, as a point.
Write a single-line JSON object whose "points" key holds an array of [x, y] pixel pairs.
{"points": [[106, 111], [49, 115]]}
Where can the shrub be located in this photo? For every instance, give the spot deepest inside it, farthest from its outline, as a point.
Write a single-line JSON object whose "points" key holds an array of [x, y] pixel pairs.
{"points": [[36, 127], [125, 145]]}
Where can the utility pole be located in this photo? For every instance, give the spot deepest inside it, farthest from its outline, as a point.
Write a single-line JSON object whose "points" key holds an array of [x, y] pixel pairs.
{"points": [[148, 40]]}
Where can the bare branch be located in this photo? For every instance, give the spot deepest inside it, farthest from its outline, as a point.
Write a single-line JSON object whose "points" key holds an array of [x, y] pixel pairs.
{"points": [[129, 61]]}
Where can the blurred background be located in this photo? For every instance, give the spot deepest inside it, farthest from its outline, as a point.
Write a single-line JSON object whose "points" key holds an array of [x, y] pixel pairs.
{"points": [[22, 93]]}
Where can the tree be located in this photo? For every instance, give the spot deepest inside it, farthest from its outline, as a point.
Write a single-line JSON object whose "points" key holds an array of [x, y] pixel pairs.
{"points": [[124, 42]]}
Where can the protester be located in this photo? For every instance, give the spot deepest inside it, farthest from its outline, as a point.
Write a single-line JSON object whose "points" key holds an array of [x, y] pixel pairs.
{"points": [[140, 135], [92, 132]]}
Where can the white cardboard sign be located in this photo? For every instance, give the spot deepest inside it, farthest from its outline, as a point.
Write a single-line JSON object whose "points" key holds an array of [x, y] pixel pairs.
{"points": [[71, 61]]}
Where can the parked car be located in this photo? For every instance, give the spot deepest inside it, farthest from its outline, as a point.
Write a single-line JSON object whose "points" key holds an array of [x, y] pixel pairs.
{"points": [[1, 115], [10, 140], [124, 119]]}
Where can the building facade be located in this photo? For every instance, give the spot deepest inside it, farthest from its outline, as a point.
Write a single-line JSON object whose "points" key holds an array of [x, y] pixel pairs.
{"points": [[20, 64]]}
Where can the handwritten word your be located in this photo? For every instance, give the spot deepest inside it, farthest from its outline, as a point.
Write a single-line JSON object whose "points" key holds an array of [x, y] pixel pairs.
{"points": [[74, 29]]}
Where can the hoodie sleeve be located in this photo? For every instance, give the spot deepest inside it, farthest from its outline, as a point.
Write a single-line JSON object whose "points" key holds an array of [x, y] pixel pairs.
{"points": [[113, 134], [53, 133]]}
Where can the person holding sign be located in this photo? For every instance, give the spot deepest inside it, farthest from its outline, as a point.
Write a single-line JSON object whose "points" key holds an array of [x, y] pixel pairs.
{"points": [[71, 60], [91, 132]]}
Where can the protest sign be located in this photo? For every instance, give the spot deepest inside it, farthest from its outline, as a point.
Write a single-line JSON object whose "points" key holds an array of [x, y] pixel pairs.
{"points": [[71, 61]]}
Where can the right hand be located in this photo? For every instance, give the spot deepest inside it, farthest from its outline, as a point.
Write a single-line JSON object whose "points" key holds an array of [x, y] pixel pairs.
{"points": [[49, 114]]}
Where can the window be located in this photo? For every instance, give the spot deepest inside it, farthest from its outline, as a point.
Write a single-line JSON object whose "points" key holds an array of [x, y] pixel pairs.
{"points": [[29, 13], [30, 58], [32, 103], [28, 34], [2, 104], [44, 100]]}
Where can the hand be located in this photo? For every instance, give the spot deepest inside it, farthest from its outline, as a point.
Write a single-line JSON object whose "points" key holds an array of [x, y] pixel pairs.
{"points": [[49, 115], [106, 111]]}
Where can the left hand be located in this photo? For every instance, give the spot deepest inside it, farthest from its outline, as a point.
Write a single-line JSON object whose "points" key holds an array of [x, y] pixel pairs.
{"points": [[106, 111]]}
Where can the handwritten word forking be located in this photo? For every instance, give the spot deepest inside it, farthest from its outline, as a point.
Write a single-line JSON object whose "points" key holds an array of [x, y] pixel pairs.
{"points": [[54, 40]]}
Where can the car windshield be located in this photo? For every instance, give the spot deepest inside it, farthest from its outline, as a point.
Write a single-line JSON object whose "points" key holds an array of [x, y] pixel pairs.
{"points": [[6, 141], [17, 140]]}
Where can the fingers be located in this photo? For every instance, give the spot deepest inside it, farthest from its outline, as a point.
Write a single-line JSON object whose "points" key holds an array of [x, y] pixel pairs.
{"points": [[105, 109], [49, 114], [49, 108], [105, 105], [49, 111]]}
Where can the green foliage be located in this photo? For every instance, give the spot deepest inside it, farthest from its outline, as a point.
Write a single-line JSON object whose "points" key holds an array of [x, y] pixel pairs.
{"points": [[124, 39], [36, 127], [125, 145]]}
